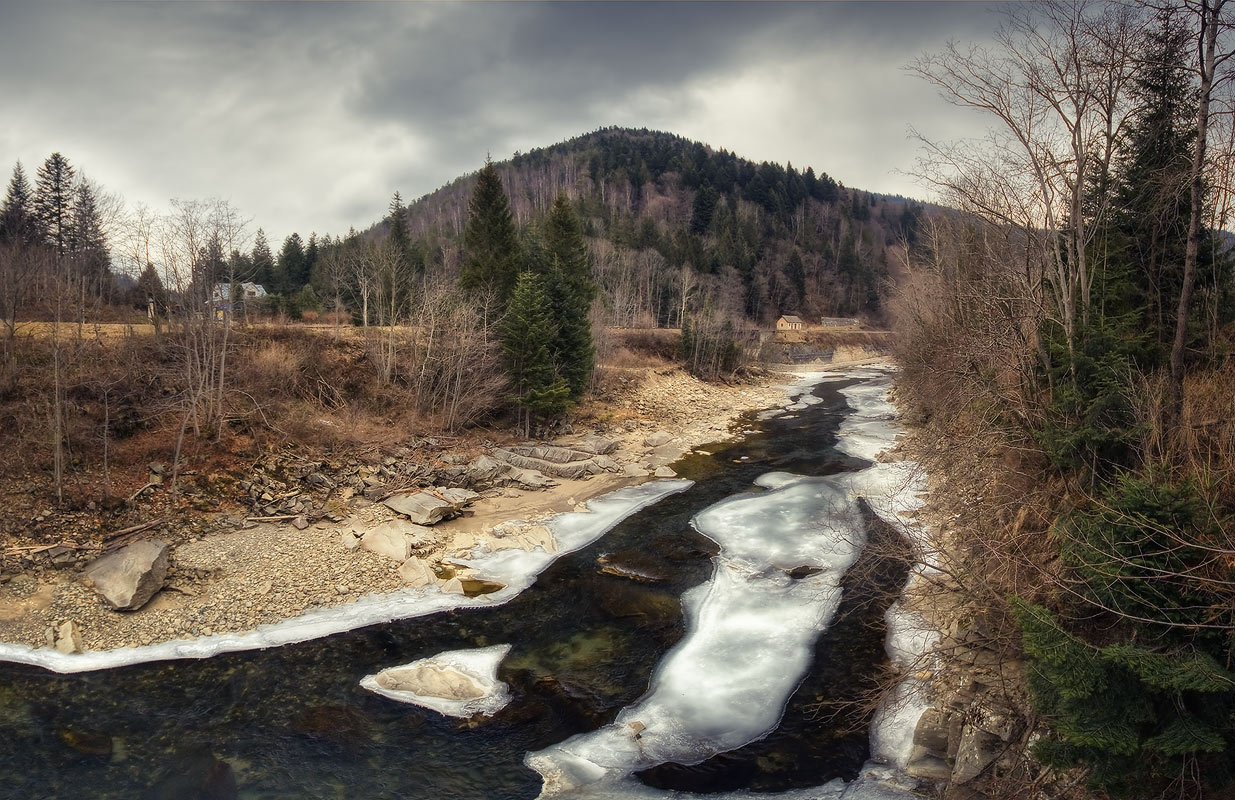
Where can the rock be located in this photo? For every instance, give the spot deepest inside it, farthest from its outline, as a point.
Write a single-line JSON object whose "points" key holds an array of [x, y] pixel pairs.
{"points": [[89, 743], [929, 768], [460, 497], [68, 638], [453, 586], [300, 523], [416, 572], [431, 680], [474, 587], [422, 508], [129, 577], [664, 472], [657, 439], [633, 565], [483, 470], [975, 753], [606, 464], [598, 445], [539, 536], [349, 540], [387, 540], [931, 732], [665, 454], [529, 478], [634, 471]]}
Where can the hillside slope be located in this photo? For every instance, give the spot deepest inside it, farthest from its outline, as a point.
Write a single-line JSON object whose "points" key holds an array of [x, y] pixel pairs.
{"points": [[760, 239]]}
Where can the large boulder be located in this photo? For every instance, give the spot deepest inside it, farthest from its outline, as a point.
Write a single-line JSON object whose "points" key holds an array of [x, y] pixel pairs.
{"points": [[387, 540], [483, 470], [598, 445], [129, 577], [423, 508], [657, 439], [416, 572]]}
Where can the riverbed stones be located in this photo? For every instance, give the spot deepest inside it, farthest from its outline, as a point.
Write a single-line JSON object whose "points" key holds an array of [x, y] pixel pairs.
{"points": [[128, 578]]}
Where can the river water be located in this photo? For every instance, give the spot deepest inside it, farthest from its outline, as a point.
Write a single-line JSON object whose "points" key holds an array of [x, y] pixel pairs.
{"points": [[293, 722]]}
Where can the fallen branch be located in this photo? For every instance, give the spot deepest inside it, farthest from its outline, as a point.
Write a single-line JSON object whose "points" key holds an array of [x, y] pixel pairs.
{"points": [[135, 529], [279, 518]]}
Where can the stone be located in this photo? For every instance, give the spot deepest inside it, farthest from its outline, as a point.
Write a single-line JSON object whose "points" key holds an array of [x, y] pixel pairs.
{"points": [[633, 470], [598, 445], [431, 680], [128, 578], [349, 540], [606, 464], [416, 572], [460, 497], [198, 777], [300, 523], [89, 743], [387, 540], [664, 472], [482, 470], [929, 768], [539, 536], [633, 565], [68, 638], [453, 586], [657, 439], [529, 478], [977, 750], [931, 732], [422, 508]]}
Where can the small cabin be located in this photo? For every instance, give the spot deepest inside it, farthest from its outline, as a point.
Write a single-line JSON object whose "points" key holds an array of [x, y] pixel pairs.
{"points": [[789, 322]]}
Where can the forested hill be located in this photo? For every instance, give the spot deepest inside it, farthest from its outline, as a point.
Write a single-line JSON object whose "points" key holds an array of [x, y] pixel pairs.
{"points": [[760, 239]]}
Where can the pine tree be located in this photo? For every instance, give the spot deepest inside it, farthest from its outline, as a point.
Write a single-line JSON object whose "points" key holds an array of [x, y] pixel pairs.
{"points": [[527, 331], [490, 242], [397, 219], [53, 201], [17, 215]]}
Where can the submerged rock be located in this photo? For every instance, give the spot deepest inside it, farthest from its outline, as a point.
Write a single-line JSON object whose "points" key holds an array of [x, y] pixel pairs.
{"points": [[128, 578], [633, 565], [202, 777], [90, 743]]}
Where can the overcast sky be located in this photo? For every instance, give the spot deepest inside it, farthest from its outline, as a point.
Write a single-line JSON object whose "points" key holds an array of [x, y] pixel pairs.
{"points": [[307, 116]]}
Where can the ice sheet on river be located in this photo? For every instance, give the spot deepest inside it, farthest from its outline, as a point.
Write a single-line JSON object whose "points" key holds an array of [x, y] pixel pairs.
{"points": [[727, 682], [457, 683], [515, 568], [750, 638]]}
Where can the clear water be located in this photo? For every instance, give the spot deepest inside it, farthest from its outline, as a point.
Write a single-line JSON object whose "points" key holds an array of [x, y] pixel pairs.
{"points": [[292, 722]]}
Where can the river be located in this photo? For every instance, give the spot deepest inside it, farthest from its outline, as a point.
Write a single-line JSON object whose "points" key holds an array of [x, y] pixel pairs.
{"points": [[588, 648]]}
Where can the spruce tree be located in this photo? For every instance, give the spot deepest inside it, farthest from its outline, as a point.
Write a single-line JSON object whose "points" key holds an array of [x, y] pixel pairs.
{"points": [[398, 233], [290, 267], [263, 261], [570, 290], [53, 201], [17, 215], [87, 243], [490, 242], [527, 332]]}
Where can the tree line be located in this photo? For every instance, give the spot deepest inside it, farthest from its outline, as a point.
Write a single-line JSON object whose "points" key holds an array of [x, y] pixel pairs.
{"points": [[1078, 308]]}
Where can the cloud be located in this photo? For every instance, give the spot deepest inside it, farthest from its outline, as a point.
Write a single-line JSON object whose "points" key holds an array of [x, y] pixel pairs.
{"points": [[308, 116]]}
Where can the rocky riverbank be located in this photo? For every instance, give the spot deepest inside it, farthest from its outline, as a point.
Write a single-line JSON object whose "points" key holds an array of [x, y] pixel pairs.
{"points": [[300, 541]]}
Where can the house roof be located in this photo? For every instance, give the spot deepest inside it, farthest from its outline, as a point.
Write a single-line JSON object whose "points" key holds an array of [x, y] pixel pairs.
{"points": [[791, 318]]}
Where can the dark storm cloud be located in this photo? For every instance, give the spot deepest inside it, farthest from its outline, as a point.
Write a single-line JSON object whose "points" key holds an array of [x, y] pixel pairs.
{"points": [[307, 116]]}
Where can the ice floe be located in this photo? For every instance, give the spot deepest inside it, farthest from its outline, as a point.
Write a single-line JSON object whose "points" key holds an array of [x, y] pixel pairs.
{"points": [[515, 568], [457, 683], [750, 635]]}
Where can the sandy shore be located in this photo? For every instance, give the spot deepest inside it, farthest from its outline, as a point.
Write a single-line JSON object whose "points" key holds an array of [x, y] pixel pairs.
{"points": [[237, 580]]}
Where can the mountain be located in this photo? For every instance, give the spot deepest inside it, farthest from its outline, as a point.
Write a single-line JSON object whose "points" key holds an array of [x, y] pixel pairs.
{"points": [[760, 239]]}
